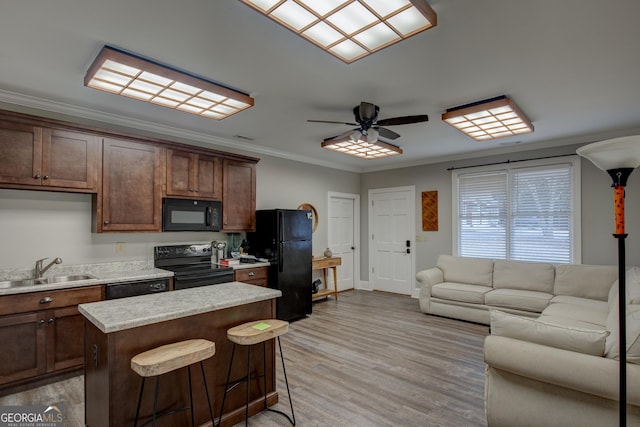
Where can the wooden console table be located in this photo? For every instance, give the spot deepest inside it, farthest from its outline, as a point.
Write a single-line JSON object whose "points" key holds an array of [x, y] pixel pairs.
{"points": [[324, 264]]}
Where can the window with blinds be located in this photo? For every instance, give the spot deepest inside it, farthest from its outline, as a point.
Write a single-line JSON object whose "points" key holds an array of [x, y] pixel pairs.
{"points": [[528, 213]]}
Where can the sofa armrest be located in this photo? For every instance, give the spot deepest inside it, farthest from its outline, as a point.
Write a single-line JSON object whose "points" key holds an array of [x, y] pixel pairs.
{"points": [[588, 374], [428, 278]]}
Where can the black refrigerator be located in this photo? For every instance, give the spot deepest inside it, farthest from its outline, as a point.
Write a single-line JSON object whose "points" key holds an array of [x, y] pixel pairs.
{"points": [[284, 237]]}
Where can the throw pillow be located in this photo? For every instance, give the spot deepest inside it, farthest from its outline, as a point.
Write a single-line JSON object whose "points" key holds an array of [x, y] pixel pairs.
{"points": [[539, 332]]}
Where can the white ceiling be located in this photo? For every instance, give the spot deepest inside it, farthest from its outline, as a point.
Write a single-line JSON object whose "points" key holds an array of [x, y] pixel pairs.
{"points": [[573, 66]]}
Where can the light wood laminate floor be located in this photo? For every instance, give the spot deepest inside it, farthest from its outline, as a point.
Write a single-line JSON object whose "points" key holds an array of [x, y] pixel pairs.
{"points": [[370, 359]]}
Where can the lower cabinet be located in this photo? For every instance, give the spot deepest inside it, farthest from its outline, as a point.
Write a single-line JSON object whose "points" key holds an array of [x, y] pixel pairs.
{"points": [[23, 353], [46, 339], [253, 276]]}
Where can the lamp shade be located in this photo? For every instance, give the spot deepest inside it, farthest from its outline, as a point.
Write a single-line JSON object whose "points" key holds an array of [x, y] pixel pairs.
{"points": [[617, 153]]}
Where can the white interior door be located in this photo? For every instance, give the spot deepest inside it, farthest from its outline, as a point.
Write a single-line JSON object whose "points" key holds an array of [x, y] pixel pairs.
{"points": [[343, 217], [391, 229]]}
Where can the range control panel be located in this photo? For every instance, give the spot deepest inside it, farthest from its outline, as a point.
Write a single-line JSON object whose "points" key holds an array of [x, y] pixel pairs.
{"points": [[182, 251]]}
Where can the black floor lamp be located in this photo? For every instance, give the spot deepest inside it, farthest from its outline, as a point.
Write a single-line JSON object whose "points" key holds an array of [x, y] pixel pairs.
{"points": [[618, 157]]}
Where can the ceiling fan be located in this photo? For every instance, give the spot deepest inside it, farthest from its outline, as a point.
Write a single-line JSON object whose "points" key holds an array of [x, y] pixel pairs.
{"points": [[366, 117]]}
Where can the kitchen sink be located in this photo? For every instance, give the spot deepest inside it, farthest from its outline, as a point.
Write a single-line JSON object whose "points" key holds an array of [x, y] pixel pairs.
{"points": [[45, 280]]}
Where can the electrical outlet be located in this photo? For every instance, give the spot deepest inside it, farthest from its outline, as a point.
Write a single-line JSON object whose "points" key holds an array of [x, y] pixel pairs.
{"points": [[119, 247]]}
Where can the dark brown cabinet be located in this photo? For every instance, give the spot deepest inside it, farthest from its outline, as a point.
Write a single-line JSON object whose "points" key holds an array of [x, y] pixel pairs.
{"points": [[23, 353], [238, 196], [254, 276], [41, 157], [193, 175], [131, 197], [42, 332]]}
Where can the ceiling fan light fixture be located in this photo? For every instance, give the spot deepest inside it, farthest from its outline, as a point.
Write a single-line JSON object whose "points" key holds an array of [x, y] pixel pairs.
{"points": [[364, 147], [350, 29], [129, 75], [493, 118]]}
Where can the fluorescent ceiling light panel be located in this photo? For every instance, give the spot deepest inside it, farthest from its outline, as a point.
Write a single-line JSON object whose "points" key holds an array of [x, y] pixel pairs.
{"points": [[350, 29], [129, 75], [361, 148], [489, 119]]}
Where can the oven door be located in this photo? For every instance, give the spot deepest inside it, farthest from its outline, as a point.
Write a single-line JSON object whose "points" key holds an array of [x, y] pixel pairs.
{"points": [[191, 215], [186, 281]]}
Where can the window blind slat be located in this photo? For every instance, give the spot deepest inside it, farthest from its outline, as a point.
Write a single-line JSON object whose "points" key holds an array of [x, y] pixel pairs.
{"points": [[519, 213]]}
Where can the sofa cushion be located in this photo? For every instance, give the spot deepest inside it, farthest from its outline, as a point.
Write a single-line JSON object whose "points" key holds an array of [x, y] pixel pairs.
{"points": [[518, 299], [528, 276], [474, 271], [572, 323], [460, 292], [632, 324], [595, 314], [586, 281], [538, 332], [584, 302], [632, 288]]}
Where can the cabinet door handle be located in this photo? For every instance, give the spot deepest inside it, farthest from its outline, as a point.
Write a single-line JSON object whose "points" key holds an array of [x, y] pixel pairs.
{"points": [[106, 223], [251, 274], [36, 176], [46, 300], [41, 322], [45, 177], [51, 320]]}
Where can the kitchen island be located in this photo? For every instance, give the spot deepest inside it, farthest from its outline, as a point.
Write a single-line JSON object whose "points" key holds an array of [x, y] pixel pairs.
{"points": [[117, 330]]}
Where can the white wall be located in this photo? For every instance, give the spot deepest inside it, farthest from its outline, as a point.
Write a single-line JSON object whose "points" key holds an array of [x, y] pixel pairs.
{"points": [[38, 224], [598, 245], [287, 184]]}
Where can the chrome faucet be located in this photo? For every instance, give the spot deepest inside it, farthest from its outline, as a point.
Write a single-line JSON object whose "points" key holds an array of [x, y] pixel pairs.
{"points": [[40, 271]]}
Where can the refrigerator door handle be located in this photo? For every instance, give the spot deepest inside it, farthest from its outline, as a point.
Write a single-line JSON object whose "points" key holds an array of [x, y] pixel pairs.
{"points": [[280, 257], [281, 227]]}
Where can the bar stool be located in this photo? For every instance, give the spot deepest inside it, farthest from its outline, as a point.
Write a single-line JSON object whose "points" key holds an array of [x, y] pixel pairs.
{"points": [[168, 358], [248, 334]]}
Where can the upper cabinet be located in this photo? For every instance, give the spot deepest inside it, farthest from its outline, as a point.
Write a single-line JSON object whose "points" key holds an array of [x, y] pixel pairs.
{"points": [[192, 175], [131, 196], [36, 157], [128, 174], [239, 196]]}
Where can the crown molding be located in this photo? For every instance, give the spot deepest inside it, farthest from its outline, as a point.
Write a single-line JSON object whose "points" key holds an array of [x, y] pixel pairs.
{"points": [[56, 107]]}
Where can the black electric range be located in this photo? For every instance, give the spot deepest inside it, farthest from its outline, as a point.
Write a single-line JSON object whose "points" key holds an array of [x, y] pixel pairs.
{"points": [[191, 265]]}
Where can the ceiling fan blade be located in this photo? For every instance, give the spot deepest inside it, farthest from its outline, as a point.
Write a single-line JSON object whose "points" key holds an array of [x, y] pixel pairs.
{"points": [[337, 123], [395, 121], [387, 133]]}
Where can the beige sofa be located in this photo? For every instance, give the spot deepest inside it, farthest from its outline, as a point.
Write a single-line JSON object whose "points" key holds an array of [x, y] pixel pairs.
{"points": [[552, 353]]}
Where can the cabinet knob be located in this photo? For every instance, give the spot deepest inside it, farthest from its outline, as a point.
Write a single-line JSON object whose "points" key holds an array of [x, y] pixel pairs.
{"points": [[45, 177], [41, 322], [106, 222], [192, 190], [251, 274], [50, 320], [36, 176], [46, 300]]}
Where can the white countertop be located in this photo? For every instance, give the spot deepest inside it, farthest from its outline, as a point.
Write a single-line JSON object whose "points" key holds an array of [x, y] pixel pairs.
{"points": [[126, 313], [243, 265], [107, 273]]}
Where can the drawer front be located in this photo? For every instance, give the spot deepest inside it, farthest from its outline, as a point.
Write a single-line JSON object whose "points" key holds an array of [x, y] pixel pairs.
{"points": [[247, 274], [43, 300], [257, 282]]}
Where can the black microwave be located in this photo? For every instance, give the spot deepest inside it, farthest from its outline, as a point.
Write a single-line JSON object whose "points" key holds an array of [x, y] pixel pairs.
{"points": [[191, 215]]}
